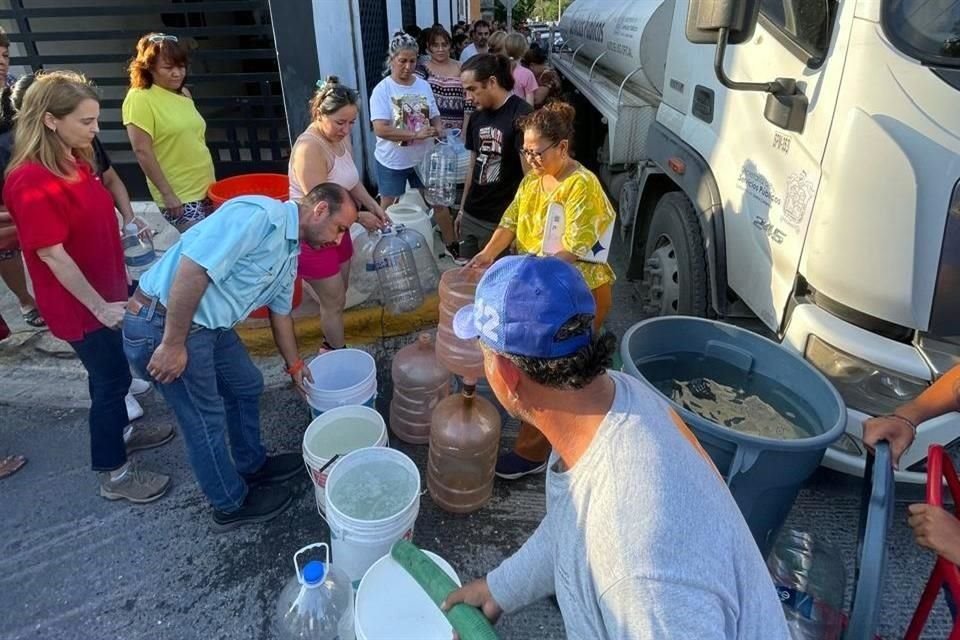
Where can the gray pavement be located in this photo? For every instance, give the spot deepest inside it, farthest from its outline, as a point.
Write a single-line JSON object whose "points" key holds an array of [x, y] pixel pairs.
{"points": [[74, 566]]}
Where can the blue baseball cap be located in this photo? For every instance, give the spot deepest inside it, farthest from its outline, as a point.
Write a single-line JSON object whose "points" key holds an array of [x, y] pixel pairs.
{"points": [[530, 306]]}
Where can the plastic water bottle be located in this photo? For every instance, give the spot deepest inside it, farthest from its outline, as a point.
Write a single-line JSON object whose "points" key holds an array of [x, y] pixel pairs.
{"points": [[397, 273], [441, 179], [423, 256], [363, 272], [317, 604], [810, 578], [138, 250]]}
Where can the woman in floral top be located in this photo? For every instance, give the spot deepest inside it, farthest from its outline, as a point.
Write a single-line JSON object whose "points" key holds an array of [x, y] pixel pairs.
{"points": [[555, 178]]}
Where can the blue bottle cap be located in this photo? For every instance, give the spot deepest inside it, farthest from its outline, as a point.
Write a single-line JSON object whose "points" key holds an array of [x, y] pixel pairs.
{"points": [[314, 572]]}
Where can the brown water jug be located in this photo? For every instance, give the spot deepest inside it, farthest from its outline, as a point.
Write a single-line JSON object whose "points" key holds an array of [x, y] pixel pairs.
{"points": [[419, 383], [464, 443], [458, 288]]}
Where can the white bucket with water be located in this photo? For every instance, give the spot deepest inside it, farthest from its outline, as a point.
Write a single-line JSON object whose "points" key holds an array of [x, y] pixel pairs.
{"points": [[341, 378], [392, 606], [413, 217], [373, 498], [338, 432]]}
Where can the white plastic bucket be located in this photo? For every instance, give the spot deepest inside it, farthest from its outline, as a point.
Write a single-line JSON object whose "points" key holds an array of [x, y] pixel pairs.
{"points": [[316, 455], [414, 218], [392, 606], [340, 378], [357, 544]]}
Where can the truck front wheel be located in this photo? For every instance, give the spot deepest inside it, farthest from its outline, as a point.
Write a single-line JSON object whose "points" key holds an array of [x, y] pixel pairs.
{"points": [[675, 269]]}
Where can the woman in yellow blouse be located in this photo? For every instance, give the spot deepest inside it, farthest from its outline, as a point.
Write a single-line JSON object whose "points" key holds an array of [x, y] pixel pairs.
{"points": [[555, 178]]}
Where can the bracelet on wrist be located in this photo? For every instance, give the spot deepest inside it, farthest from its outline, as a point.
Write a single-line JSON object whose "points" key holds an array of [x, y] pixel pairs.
{"points": [[296, 367], [910, 423]]}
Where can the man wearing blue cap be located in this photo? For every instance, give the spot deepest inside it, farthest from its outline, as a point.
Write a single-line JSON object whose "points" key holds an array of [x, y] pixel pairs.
{"points": [[641, 538]]}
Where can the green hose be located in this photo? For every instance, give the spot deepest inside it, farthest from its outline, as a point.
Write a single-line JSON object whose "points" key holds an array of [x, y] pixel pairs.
{"points": [[469, 622]]}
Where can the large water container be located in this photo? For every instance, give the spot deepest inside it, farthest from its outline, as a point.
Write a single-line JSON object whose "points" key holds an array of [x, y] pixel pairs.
{"points": [[441, 175], [810, 577], [458, 287], [316, 604], [138, 252], [422, 254], [411, 215], [397, 273], [464, 443], [363, 283], [419, 383], [764, 467]]}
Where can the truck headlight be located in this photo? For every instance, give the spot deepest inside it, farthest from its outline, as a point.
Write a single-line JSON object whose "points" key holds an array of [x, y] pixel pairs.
{"points": [[864, 386]]}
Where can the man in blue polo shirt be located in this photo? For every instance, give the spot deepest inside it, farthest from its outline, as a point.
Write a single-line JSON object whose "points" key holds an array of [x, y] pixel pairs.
{"points": [[178, 330]]}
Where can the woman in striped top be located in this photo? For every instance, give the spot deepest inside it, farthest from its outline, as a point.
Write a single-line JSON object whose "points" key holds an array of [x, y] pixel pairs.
{"points": [[442, 73]]}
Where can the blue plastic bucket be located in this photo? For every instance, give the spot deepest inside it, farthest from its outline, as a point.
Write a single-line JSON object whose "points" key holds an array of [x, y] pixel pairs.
{"points": [[764, 474]]}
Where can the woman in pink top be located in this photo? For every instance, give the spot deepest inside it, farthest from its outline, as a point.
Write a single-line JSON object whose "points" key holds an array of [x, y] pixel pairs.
{"points": [[524, 82], [322, 154]]}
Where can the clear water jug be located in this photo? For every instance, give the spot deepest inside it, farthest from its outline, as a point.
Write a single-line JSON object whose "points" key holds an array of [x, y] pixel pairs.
{"points": [[458, 287], [423, 255], [464, 443], [441, 178], [419, 383], [138, 251], [810, 578], [397, 273], [317, 604], [363, 272]]}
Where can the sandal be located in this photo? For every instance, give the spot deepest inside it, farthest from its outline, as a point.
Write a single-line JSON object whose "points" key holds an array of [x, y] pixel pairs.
{"points": [[34, 319], [10, 465]]}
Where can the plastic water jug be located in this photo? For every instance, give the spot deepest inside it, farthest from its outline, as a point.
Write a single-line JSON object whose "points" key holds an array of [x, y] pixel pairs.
{"points": [[464, 442], [423, 256], [810, 579], [138, 252], [363, 274], [419, 383], [458, 287], [317, 604], [397, 273], [441, 175], [413, 216]]}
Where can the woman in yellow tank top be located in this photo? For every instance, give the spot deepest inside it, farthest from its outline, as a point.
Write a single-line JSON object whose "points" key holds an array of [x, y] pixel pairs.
{"points": [[555, 178]]}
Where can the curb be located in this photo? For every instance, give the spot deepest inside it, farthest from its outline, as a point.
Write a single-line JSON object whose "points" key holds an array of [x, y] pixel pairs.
{"points": [[361, 326]]}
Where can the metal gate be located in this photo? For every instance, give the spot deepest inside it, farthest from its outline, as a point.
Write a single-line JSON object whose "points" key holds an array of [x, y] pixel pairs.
{"points": [[233, 73], [373, 26]]}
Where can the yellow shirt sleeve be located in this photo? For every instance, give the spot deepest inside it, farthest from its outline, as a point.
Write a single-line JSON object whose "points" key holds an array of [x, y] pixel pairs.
{"points": [[137, 111], [588, 214]]}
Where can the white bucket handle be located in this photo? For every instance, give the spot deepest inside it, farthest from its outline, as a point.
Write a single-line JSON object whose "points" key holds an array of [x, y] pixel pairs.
{"points": [[296, 565]]}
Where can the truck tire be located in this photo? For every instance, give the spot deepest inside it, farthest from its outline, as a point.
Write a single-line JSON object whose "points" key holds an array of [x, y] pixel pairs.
{"points": [[675, 268]]}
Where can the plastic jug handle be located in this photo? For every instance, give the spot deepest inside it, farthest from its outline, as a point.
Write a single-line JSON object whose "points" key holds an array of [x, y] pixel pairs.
{"points": [[315, 545]]}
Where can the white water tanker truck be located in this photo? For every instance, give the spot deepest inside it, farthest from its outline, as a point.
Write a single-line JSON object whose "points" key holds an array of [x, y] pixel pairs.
{"points": [[794, 160]]}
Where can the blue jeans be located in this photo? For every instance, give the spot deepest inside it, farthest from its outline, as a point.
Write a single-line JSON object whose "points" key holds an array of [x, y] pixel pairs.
{"points": [[393, 182], [217, 395], [101, 353]]}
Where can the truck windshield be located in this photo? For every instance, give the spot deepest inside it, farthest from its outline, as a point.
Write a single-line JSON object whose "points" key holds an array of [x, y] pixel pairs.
{"points": [[928, 30]]}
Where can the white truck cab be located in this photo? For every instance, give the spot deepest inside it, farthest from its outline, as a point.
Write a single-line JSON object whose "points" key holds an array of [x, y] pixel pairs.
{"points": [[798, 159]]}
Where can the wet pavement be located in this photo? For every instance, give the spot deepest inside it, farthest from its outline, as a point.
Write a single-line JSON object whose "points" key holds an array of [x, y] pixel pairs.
{"points": [[75, 566]]}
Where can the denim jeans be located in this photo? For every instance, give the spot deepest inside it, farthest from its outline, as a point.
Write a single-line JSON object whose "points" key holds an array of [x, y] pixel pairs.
{"points": [[217, 396], [101, 353]]}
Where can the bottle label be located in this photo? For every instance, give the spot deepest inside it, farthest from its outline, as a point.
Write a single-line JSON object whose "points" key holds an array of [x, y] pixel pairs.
{"points": [[799, 601], [139, 260]]}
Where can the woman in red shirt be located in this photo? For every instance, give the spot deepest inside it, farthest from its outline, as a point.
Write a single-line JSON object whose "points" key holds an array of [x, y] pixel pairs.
{"points": [[71, 244]]}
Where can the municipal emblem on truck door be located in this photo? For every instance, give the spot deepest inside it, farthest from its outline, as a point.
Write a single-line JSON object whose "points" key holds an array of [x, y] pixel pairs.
{"points": [[800, 191]]}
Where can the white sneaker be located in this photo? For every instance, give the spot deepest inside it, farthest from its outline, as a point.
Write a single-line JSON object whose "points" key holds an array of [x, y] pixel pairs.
{"points": [[134, 410], [139, 387]]}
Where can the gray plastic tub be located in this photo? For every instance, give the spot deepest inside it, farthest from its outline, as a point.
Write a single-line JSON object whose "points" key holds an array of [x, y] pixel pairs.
{"points": [[764, 474]]}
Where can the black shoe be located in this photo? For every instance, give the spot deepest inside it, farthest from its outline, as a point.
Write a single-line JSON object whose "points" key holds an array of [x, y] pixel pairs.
{"points": [[262, 505], [275, 469]]}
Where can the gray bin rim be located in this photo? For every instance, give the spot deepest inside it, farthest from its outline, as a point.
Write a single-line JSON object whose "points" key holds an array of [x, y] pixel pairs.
{"points": [[820, 441]]}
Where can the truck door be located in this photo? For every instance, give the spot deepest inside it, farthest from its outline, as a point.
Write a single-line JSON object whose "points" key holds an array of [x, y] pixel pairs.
{"points": [[768, 177]]}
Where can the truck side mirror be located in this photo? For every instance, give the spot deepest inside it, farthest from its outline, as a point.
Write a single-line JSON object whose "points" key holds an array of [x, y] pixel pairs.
{"points": [[705, 19]]}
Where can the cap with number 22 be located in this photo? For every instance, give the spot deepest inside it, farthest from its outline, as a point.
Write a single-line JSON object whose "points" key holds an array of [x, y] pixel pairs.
{"points": [[530, 306]]}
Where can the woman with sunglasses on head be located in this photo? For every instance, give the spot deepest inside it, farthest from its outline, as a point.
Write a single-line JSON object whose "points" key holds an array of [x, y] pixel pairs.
{"points": [[555, 178], [321, 154], [167, 132]]}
